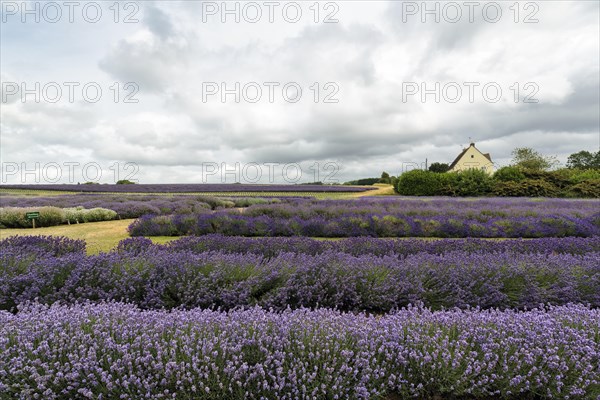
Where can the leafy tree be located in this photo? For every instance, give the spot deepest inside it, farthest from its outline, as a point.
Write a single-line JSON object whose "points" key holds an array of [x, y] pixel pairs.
{"points": [[125, 182], [528, 158], [363, 182], [385, 177], [439, 167], [584, 160]]}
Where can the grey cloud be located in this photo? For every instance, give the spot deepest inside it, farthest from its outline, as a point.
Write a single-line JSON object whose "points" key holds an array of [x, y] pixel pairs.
{"points": [[158, 22]]}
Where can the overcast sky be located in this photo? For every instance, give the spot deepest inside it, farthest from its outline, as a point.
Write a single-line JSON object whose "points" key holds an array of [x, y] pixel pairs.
{"points": [[499, 74]]}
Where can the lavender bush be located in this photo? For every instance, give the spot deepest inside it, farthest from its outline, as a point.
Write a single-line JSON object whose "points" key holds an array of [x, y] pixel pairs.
{"points": [[115, 351], [42, 245], [157, 277]]}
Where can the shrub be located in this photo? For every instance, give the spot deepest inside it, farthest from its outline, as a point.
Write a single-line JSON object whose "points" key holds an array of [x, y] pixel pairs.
{"points": [[135, 245], [99, 214], [11, 217], [580, 176], [526, 188], [73, 214], [14, 217], [420, 183], [473, 182], [216, 202], [447, 183], [51, 216], [250, 201], [590, 188], [151, 225], [559, 178], [509, 174], [470, 182], [55, 246]]}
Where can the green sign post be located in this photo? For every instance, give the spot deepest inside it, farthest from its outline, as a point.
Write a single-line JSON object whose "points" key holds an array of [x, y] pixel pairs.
{"points": [[32, 216]]}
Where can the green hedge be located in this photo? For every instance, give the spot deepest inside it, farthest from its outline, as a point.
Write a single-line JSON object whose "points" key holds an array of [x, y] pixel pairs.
{"points": [[420, 183], [507, 181], [526, 188]]}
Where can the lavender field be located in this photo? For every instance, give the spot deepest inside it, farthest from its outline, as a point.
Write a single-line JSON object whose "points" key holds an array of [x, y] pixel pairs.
{"points": [[282, 315]]}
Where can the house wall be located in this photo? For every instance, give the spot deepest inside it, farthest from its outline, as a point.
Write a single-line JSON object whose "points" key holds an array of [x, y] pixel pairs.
{"points": [[474, 159]]}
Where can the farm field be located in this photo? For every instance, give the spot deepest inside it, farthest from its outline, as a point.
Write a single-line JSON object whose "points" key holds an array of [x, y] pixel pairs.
{"points": [[432, 298]]}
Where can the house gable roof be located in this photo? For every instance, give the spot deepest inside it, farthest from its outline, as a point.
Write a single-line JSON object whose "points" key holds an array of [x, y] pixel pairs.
{"points": [[462, 153]]}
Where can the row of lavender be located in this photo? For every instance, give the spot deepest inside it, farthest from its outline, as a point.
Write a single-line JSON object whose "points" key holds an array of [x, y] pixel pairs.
{"points": [[183, 275], [388, 218], [111, 351], [374, 225], [468, 208], [358, 246], [136, 205], [269, 247]]}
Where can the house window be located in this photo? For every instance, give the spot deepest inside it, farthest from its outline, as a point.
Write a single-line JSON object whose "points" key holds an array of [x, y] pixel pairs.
{"points": [[472, 156]]}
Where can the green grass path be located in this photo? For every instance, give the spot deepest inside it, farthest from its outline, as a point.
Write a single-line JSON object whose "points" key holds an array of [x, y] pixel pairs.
{"points": [[99, 236]]}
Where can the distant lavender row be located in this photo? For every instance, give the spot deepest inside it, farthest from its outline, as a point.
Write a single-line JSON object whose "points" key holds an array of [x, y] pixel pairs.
{"points": [[272, 246], [374, 225], [480, 208], [135, 205], [191, 188], [106, 351], [159, 277]]}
